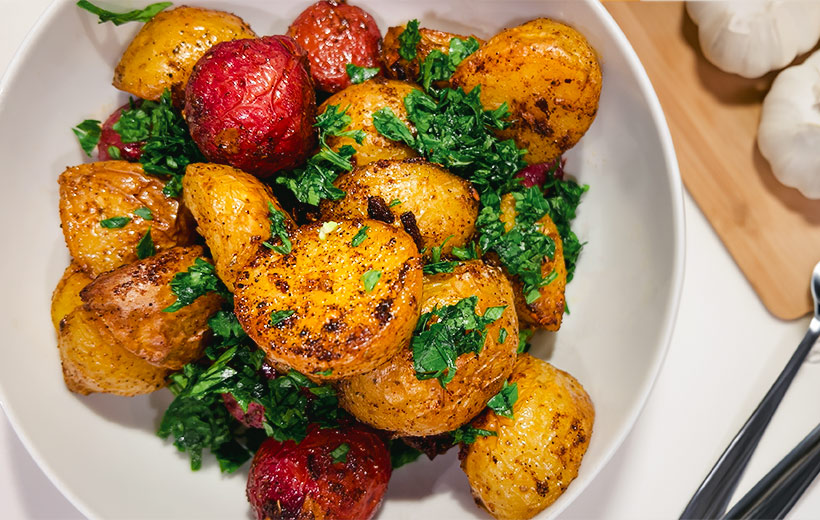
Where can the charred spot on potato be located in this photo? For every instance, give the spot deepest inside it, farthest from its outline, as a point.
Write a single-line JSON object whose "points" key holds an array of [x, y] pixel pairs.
{"points": [[377, 209], [408, 222]]}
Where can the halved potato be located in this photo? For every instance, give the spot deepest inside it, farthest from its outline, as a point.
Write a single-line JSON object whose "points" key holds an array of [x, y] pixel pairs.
{"points": [[536, 454], [430, 39], [165, 50], [548, 75], [232, 213], [392, 398], [362, 101], [93, 192], [66, 296], [130, 302], [547, 311], [331, 309], [443, 205]]}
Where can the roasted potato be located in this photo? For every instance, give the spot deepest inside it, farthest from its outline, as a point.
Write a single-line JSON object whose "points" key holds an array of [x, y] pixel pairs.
{"points": [[548, 75], [165, 50], [334, 33], [130, 301], [443, 205], [397, 67], [362, 101], [232, 212], [537, 453], [547, 311], [251, 104], [90, 193], [338, 473], [330, 309], [66, 296], [93, 361], [392, 398]]}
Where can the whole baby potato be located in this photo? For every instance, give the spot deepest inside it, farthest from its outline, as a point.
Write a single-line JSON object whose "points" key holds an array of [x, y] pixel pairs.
{"points": [[535, 455], [334, 306], [232, 212], [392, 398], [429, 40], [251, 104], [548, 75], [443, 205], [363, 100], [335, 34], [166, 48], [94, 192]]}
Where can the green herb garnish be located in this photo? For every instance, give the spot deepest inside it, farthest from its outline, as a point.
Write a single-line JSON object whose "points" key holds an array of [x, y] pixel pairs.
{"points": [[502, 335], [370, 279], [360, 74], [114, 152], [115, 223], [502, 402], [438, 66], [88, 133], [198, 280], [468, 434], [145, 247], [277, 317], [409, 40], [437, 265], [524, 336], [394, 202], [401, 454], [144, 213], [340, 453], [360, 237], [137, 15], [278, 229]]}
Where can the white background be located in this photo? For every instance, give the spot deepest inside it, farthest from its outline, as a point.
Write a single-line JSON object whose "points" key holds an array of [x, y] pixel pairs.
{"points": [[725, 353]]}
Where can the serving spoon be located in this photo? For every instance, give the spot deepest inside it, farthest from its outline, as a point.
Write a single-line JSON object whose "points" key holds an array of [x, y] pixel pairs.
{"points": [[713, 495]]}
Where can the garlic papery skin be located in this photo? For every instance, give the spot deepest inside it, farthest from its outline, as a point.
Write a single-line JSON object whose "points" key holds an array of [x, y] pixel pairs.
{"points": [[789, 131], [753, 37]]}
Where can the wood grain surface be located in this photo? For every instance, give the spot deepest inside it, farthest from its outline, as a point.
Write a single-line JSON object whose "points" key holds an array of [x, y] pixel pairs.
{"points": [[771, 231]]}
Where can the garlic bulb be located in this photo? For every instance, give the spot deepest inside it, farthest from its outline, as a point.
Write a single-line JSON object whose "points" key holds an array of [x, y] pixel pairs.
{"points": [[789, 131], [753, 37]]}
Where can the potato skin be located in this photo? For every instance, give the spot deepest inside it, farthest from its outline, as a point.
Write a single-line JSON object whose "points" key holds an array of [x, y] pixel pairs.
{"points": [[537, 454], [364, 100], [392, 398], [92, 192], [231, 211], [334, 34], [93, 361], [337, 324], [130, 302], [66, 296], [550, 78], [547, 311], [444, 205], [251, 104], [165, 50], [397, 67]]}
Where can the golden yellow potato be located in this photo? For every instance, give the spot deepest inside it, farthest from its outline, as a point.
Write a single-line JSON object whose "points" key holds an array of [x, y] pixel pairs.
{"points": [[66, 296], [443, 205], [337, 309], [232, 213], [90, 193], [93, 361], [392, 398], [430, 39], [130, 301], [548, 310], [536, 455], [163, 53], [548, 75], [362, 101]]}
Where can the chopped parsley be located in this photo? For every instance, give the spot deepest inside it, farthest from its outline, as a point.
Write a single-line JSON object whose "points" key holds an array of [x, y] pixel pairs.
{"points": [[360, 74], [437, 265], [502, 402], [468, 434], [370, 279], [145, 247], [524, 336], [324, 373], [114, 152], [360, 237], [409, 40], [114, 222], [394, 202], [88, 133], [340, 453], [277, 317], [144, 213], [137, 15], [401, 453], [198, 280], [467, 252], [457, 330], [438, 66], [278, 229], [502, 335]]}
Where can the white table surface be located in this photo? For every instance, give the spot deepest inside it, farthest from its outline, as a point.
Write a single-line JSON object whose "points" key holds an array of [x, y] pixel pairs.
{"points": [[725, 353]]}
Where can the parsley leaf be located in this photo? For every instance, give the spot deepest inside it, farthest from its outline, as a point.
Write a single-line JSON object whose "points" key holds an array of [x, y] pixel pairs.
{"points": [[394, 202], [502, 402], [409, 40], [137, 15], [88, 133], [502, 335], [340, 453], [524, 336], [144, 213], [438, 66], [467, 252], [145, 247], [115, 222], [437, 265], [360, 74], [277, 317], [458, 330], [114, 152], [278, 229], [370, 279], [468, 434], [360, 237], [401, 453], [198, 280]]}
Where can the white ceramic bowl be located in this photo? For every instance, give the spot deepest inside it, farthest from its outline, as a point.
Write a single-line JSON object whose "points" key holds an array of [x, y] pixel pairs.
{"points": [[101, 450]]}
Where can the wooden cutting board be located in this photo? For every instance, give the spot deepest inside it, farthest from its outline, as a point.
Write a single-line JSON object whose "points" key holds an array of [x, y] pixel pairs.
{"points": [[772, 231]]}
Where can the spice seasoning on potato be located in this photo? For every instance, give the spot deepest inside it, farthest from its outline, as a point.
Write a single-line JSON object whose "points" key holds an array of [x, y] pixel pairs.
{"points": [[429, 40], [442, 204], [164, 51], [534, 456], [548, 75], [393, 398], [329, 309], [91, 193]]}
